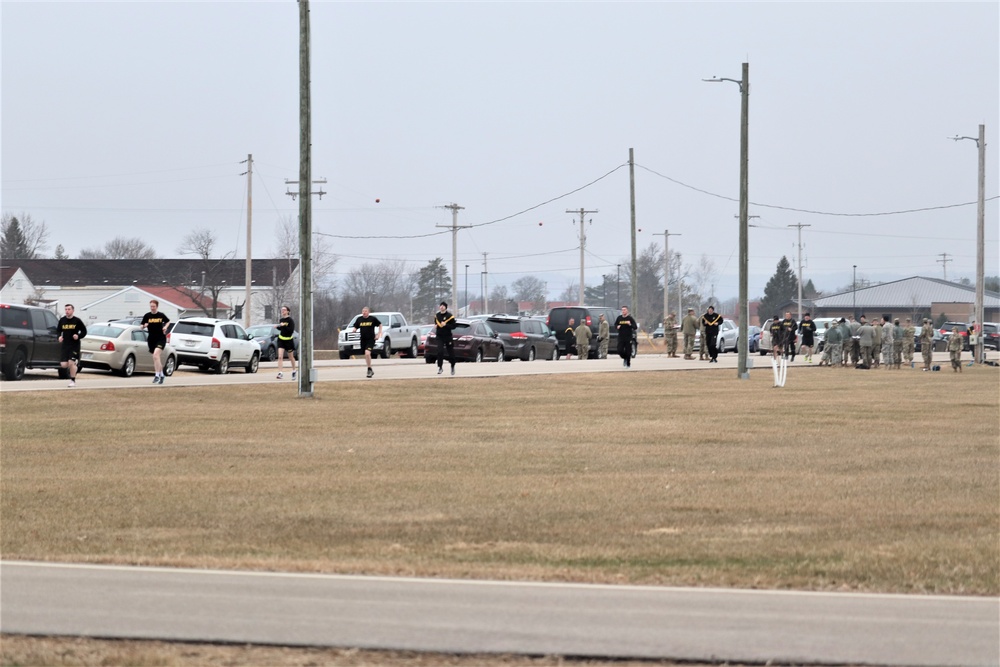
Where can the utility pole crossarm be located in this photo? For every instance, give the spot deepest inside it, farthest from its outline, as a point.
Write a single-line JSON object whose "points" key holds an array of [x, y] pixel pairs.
{"points": [[454, 227], [583, 245]]}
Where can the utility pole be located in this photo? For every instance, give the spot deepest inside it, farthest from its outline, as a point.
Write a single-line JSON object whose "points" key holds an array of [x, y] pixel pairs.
{"points": [[486, 285], [744, 85], [980, 241], [249, 273], [854, 292], [583, 245], [666, 270], [633, 305], [455, 208], [944, 263], [466, 290], [800, 226]]}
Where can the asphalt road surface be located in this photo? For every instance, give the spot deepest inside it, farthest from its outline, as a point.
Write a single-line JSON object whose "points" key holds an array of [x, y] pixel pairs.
{"points": [[497, 617]]}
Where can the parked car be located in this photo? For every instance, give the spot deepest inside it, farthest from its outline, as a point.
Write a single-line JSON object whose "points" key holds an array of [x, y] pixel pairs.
{"points": [[422, 341], [728, 338], [559, 318], [122, 348], [938, 343], [474, 341], [991, 335], [214, 344], [820, 337], [524, 338], [29, 338], [657, 332], [753, 334]]}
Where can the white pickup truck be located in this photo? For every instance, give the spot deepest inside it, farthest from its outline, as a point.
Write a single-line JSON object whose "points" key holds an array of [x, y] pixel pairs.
{"points": [[397, 336]]}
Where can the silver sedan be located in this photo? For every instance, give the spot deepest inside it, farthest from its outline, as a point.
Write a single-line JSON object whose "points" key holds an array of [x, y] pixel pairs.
{"points": [[122, 348]]}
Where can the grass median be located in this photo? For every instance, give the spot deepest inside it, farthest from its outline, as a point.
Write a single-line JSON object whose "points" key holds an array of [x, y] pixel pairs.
{"points": [[882, 481]]}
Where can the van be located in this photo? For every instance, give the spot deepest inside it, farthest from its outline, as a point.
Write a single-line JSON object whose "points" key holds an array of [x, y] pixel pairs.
{"points": [[559, 318]]}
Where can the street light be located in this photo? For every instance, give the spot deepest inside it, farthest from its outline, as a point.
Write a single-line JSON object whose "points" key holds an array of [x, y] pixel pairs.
{"points": [[744, 86], [980, 240]]}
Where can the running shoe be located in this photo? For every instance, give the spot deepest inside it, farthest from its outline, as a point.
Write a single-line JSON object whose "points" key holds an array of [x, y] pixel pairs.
{"points": [[440, 370], [293, 375], [281, 376], [72, 383], [370, 372]]}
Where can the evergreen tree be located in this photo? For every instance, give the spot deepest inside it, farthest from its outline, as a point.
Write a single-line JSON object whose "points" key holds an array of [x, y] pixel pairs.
{"points": [[60, 252], [433, 287], [780, 289], [13, 245]]}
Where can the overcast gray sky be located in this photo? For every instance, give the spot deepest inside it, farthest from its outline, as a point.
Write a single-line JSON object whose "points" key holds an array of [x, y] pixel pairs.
{"points": [[132, 118]]}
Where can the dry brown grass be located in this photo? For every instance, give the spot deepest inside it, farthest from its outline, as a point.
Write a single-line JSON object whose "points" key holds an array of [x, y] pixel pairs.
{"points": [[844, 480]]}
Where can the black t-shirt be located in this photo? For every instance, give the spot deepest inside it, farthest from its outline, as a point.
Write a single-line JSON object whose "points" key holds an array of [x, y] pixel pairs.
{"points": [[155, 323], [444, 323], [368, 326], [712, 322], [286, 327], [70, 326], [626, 326], [808, 329]]}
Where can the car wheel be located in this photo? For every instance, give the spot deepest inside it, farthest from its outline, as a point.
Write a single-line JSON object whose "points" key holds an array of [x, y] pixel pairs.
{"points": [[254, 364], [345, 355], [128, 367], [170, 366], [635, 349], [429, 360], [500, 355], [555, 354], [14, 370], [413, 349], [272, 353], [223, 366], [531, 354], [479, 355]]}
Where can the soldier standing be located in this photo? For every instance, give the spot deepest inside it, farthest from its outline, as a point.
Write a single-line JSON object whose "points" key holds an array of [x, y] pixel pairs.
{"points": [[603, 336], [866, 337], [927, 343], [710, 323], [626, 326], [897, 344], [886, 338], [955, 350], [877, 343], [855, 326], [583, 335], [909, 333], [832, 344], [702, 348], [689, 325], [670, 334], [569, 336]]}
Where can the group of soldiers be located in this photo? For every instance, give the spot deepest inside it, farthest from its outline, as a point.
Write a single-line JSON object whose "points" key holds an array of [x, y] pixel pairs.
{"points": [[859, 343], [691, 325]]}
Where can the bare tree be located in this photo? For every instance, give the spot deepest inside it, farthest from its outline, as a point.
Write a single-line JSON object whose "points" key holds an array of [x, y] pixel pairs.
{"points": [[210, 282], [21, 237], [384, 285], [200, 242], [533, 289], [120, 248]]}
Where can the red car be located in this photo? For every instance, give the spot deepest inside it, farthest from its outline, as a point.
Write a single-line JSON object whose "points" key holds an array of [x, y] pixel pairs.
{"points": [[425, 329]]}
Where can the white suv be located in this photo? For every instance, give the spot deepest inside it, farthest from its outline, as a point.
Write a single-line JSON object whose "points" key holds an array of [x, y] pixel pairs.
{"points": [[213, 344]]}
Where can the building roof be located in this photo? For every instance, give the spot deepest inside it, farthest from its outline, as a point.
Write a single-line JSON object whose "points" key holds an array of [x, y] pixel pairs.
{"points": [[111, 272], [180, 297], [907, 293]]}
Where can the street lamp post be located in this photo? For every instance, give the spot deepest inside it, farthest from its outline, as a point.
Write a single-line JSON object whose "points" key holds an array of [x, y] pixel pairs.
{"points": [[980, 240], [744, 86]]}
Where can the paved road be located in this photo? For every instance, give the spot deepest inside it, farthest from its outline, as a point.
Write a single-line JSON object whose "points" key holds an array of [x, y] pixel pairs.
{"points": [[475, 616]]}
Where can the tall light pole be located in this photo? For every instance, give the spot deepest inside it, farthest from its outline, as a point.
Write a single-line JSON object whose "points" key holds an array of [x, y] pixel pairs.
{"points": [[980, 240], [744, 85]]}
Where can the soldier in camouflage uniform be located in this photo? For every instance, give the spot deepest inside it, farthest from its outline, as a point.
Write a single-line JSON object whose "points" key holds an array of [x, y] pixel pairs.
{"points": [[689, 325], [603, 337], [955, 350], [866, 337], [927, 343], [846, 341], [886, 336], [703, 348], [909, 333], [670, 334], [897, 344], [583, 335], [877, 332], [831, 345]]}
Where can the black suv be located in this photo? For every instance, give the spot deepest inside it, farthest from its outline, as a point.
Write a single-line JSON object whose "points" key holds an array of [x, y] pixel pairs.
{"points": [[559, 319], [29, 338], [524, 338]]}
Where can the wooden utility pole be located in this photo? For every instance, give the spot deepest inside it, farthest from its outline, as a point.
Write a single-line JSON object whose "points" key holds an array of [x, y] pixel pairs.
{"points": [[583, 246], [306, 370], [944, 263], [800, 226], [635, 280], [455, 208], [249, 271]]}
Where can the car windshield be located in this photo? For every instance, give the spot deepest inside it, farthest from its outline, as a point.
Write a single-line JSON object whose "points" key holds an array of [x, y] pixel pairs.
{"points": [[105, 330], [194, 328], [261, 330], [505, 326], [462, 329]]}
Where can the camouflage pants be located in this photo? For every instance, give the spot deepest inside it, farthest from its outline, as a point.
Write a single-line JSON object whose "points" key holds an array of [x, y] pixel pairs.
{"points": [[956, 358], [583, 349], [887, 353], [672, 345], [688, 345], [834, 352], [865, 356], [928, 353], [897, 352], [602, 348], [908, 351]]}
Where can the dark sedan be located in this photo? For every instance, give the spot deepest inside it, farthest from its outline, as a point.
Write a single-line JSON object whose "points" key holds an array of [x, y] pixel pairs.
{"points": [[524, 338], [474, 341]]}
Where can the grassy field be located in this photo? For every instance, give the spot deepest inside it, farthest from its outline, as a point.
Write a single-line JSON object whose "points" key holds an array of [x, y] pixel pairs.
{"points": [[882, 481]]}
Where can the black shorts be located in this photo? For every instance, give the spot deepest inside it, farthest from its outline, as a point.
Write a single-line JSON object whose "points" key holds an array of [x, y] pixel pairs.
{"points": [[70, 352], [288, 344], [154, 343], [367, 344]]}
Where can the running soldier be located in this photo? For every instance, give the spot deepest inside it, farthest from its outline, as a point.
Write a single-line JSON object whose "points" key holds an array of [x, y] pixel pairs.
{"points": [[155, 322], [583, 335], [626, 326], [71, 330], [366, 325], [286, 340], [788, 329], [444, 323], [689, 325], [776, 336], [808, 330], [670, 335]]}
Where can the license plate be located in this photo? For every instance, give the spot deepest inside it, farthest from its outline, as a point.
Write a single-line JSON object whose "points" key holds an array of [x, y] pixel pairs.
{"points": [[190, 343], [87, 355]]}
